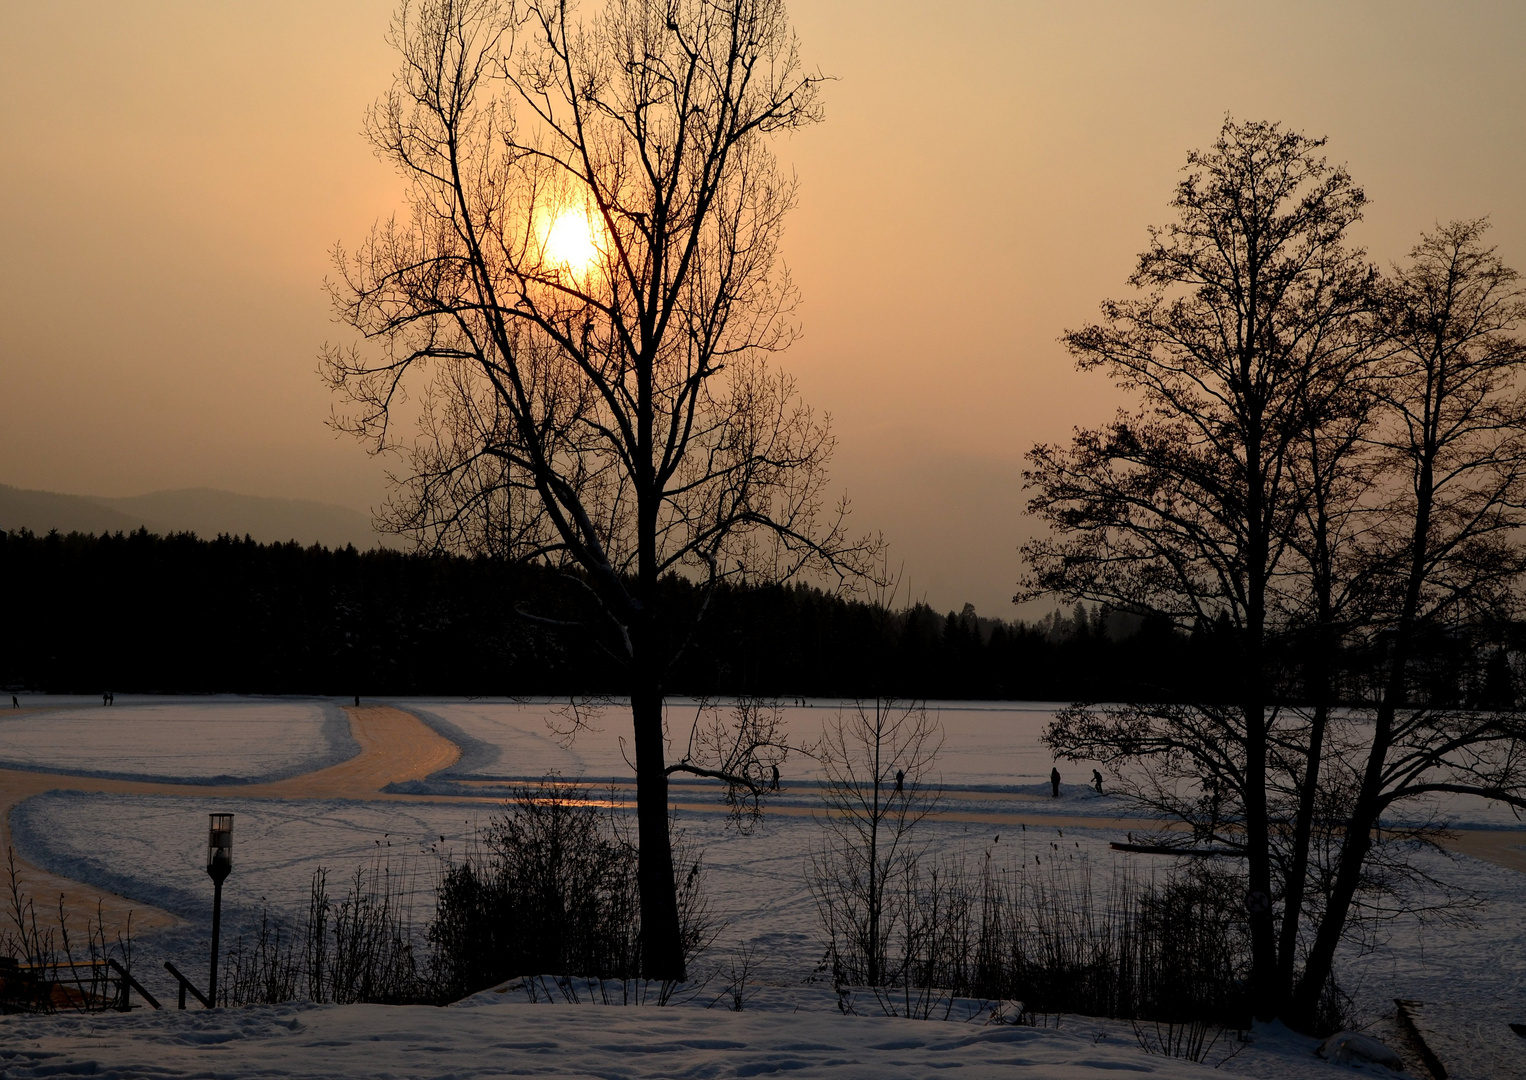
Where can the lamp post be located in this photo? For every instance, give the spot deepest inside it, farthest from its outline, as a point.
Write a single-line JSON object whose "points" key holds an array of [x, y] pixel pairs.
{"points": [[219, 866]]}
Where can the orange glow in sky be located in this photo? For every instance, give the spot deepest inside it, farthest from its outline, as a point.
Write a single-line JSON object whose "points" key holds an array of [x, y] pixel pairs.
{"points": [[570, 242], [176, 175]]}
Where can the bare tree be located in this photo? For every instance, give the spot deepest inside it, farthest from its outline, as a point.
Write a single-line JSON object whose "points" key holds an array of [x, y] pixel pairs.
{"points": [[1446, 547], [1328, 466], [1322, 597], [589, 271], [743, 750], [1186, 509], [877, 764]]}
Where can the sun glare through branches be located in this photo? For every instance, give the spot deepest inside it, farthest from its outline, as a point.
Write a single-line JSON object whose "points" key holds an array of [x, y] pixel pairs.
{"points": [[571, 241]]}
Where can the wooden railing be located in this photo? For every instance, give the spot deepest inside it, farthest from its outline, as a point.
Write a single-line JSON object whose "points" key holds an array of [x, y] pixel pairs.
{"points": [[86, 986], [186, 984]]}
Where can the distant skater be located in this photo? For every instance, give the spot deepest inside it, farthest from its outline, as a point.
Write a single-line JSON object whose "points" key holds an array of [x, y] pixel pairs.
{"points": [[1097, 781], [357, 701], [776, 778], [105, 700], [900, 779], [14, 703], [1054, 781]]}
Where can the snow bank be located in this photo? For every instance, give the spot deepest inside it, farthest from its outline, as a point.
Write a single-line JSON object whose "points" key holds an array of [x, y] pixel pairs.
{"points": [[376, 1042]]}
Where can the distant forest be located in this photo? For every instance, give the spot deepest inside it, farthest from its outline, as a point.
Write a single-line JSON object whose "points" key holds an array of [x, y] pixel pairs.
{"points": [[146, 613]]}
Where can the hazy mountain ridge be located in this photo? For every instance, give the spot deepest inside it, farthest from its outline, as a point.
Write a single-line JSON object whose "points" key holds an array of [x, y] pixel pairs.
{"points": [[204, 511]]}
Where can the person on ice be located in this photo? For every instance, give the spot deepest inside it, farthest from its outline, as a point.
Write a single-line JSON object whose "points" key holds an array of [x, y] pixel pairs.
{"points": [[1097, 781], [1054, 781]]}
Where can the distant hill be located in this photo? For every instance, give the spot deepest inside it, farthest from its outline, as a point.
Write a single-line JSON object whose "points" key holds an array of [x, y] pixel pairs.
{"points": [[204, 511]]}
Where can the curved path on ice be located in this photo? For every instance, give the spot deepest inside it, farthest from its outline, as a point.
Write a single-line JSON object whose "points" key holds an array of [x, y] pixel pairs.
{"points": [[394, 748], [397, 748]]}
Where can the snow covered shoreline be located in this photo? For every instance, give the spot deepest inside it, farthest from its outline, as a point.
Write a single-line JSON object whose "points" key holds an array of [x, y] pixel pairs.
{"points": [[517, 1038]]}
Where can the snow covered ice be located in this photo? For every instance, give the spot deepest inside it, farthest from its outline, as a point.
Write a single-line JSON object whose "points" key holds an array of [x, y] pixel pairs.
{"points": [[210, 740], [984, 744], [150, 848]]}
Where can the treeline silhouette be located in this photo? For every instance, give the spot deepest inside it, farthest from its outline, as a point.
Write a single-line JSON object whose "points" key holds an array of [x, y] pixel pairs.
{"points": [[140, 612]]}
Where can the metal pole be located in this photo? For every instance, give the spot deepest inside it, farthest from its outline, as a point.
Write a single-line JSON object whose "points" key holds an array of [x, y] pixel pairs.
{"points": [[219, 866], [217, 918]]}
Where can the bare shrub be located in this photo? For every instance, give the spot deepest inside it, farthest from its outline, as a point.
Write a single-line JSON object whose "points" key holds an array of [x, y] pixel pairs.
{"points": [[1192, 1040], [1174, 950], [736, 994], [265, 970], [877, 761], [45, 968], [550, 888], [360, 948], [1048, 940]]}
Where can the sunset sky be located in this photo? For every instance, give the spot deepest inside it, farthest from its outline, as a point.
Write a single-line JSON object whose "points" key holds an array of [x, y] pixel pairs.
{"points": [[174, 175]]}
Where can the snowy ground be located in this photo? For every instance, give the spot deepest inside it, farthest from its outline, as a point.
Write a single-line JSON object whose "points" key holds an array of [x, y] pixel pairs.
{"points": [[154, 848], [515, 1038], [151, 848], [198, 741]]}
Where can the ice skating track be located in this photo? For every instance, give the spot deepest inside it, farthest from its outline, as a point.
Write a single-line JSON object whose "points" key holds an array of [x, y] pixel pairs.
{"points": [[395, 747]]}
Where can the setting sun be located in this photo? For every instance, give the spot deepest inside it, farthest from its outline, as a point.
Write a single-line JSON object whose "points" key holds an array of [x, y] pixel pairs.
{"points": [[570, 241]]}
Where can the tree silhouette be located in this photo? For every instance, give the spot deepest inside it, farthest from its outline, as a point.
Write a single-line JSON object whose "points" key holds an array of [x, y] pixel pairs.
{"points": [[1325, 485], [1186, 508], [1445, 546], [590, 270]]}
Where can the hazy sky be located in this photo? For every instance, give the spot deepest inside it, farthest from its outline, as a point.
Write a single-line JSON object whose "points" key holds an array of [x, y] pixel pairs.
{"points": [[173, 176]]}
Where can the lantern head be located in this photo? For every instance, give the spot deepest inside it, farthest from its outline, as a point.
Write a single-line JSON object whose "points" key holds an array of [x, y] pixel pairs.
{"points": [[220, 846]]}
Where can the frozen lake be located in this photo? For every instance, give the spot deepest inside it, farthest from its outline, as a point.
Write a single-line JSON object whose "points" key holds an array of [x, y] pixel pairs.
{"points": [[984, 743], [991, 757], [990, 750], [197, 741], [150, 848]]}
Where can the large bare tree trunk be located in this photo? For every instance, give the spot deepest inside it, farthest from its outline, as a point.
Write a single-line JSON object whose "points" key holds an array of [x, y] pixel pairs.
{"points": [[1258, 851], [1348, 879], [1253, 681], [662, 954], [1257, 824], [1320, 687], [1298, 868], [1364, 815]]}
